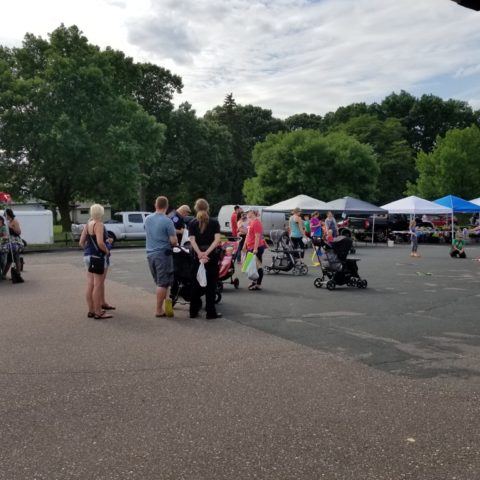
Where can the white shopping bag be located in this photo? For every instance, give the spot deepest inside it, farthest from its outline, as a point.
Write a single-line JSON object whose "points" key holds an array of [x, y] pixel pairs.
{"points": [[185, 237], [252, 272], [202, 275]]}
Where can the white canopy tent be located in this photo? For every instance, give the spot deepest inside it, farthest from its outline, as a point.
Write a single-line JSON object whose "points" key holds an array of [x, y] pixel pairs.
{"points": [[304, 202], [415, 206], [476, 201]]}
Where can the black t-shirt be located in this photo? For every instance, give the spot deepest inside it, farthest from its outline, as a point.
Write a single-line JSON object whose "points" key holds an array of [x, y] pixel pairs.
{"points": [[178, 222], [205, 239]]}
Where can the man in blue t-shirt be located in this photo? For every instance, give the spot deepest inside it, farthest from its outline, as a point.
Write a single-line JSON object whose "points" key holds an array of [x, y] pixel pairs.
{"points": [[161, 237]]}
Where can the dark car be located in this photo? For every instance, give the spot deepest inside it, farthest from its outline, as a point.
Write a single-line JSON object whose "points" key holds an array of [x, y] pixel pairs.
{"points": [[361, 227]]}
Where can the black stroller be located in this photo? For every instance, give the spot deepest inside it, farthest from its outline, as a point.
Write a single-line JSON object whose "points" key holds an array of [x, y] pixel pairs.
{"points": [[184, 275], [337, 269], [284, 256]]}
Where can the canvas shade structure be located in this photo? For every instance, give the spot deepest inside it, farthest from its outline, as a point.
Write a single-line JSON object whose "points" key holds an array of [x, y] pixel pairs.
{"points": [[304, 202], [354, 206], [476, 201], [457, 205], [415, 206]]}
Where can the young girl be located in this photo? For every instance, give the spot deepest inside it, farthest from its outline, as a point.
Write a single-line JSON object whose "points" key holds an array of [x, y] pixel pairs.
{"points": [[413, 238]]}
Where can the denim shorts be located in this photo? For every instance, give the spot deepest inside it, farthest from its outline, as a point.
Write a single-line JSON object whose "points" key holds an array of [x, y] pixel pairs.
{"points": [[161, 268]]}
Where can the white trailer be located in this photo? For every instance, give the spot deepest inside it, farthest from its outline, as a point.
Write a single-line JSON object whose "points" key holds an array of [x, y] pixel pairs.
{"points": [[36, 225]]}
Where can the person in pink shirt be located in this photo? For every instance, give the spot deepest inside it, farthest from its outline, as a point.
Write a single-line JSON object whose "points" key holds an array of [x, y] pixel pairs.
{"points": [[256, 244]]}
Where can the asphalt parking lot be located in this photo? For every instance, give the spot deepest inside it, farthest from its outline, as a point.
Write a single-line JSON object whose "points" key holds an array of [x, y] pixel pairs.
{"points": [[294, 382], [416, 318]]}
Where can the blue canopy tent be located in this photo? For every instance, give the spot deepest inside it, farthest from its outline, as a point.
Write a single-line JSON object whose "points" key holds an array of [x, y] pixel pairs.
{"points": [[457, 205]]}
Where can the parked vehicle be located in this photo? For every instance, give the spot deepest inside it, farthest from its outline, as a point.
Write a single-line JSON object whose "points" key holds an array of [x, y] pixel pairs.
{"points": [[36, 225], [442, 220], [225, 214], [361, 227], [123, 226]]}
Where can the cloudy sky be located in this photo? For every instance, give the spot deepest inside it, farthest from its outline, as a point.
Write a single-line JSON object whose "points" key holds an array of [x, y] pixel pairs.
{"points": [[290, 56]]}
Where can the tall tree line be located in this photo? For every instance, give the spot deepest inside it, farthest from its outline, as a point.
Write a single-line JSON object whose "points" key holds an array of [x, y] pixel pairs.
{"points": [[78, 122]]}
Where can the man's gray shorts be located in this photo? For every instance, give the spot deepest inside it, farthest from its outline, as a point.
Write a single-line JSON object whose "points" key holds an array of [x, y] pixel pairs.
{"points": [[161, 267]]}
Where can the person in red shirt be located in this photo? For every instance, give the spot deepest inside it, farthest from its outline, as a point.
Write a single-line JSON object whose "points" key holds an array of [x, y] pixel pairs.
{"points": [[256, 244], [234, 220]]}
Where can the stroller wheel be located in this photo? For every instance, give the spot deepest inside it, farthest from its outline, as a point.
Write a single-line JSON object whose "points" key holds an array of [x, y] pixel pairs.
{"points": [[318, 282], [218, 297], [296, 270], [220, 286], [364, 283], [276, 271], [267, 269], [331, 285], [352, 282], [236, 282], [303, 270]]}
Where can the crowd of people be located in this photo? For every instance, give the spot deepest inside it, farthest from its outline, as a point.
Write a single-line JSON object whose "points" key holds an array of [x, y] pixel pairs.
{"points": [[166, 230]]}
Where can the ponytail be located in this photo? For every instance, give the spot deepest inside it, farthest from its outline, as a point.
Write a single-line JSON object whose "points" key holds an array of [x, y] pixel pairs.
{"points": [[202, 207], [202, 218]]}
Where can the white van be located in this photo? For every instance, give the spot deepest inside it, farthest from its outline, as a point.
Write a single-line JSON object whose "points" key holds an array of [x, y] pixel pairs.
{"points": [[270, 220], [225, 214], [36, 225], [274, 221]]}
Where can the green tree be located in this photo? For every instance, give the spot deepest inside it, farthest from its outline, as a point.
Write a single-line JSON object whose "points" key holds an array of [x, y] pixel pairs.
{"points": [[305, 161], [247, 125], [394, 156], [68, 127], [427, 117], [304, 121], [343, 114], [197, 160], [452, 168]]}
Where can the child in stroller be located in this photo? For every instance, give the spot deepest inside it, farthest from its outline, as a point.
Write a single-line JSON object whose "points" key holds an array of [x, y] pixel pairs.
{"points": [[337, 269], [284, 256], [184, 274], [226, 264]]}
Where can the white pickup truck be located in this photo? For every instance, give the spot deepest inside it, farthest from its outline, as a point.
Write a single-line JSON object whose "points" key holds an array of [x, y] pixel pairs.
{"points": [[123, 226]]}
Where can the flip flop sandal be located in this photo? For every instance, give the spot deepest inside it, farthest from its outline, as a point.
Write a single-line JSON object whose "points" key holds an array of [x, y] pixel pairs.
{"points": [[103, 316], [160, 315], [92, 314], [106, 306]]}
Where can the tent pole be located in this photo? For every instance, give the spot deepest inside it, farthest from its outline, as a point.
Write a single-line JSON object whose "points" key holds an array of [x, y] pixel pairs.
{"points": [[452, 228], [373, 229]]}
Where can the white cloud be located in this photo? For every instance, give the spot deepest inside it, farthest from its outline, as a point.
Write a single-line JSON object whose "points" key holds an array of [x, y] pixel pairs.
{"points": [[287, 55]]}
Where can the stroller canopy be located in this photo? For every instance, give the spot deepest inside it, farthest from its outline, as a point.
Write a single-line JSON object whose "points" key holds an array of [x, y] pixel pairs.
{"points": [[341, 246], [279, 238]]}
